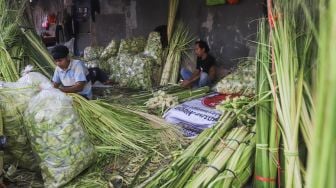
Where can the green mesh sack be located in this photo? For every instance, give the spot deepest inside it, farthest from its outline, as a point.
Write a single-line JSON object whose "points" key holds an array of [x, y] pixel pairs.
{"points": [[126, 68], [92, 53], [241, 81], [154, 47], [132, 45], [141, 73], [115, 68], [110, 50]]}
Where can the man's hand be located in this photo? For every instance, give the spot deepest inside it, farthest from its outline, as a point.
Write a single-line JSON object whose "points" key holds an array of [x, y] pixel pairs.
{"points": [[186, 83], [56, 85]]}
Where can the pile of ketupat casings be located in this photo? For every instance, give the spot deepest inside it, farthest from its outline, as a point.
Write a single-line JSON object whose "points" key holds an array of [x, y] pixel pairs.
{"points": [[138, 71], [241, 81], [14, 98], [57, 137], [92, 56], [133, 62]]}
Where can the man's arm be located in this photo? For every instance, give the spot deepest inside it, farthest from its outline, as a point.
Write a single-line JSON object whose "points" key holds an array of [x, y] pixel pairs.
{"points": [[80, 79], [56, 85], [78, 87], [194, 77]]}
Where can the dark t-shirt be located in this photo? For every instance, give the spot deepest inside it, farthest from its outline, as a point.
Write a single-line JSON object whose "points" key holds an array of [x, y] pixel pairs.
{"points": [[206, 64], [96, 74]]}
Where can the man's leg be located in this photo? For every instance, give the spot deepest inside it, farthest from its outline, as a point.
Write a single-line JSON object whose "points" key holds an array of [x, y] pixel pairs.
{"points": [[204, 80], [185, 73]]}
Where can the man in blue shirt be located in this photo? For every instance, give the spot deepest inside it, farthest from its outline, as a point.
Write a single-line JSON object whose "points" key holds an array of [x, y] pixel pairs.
{"points": [[70, 76]]}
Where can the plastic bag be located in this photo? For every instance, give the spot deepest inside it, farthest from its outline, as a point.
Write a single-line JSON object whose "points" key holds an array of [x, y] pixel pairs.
{"points": [[30, 78], [57, 137], [14, 98]]}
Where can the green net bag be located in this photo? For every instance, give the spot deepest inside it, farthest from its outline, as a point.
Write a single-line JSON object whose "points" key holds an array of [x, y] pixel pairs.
{"points": [[110, 50], [154, 47]]}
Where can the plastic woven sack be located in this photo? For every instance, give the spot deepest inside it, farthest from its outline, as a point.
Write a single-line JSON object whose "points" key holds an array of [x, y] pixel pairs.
{"points": [[114, 71], [132, 45], [92, 63], [92, 53], [141, 73], [57, 137], [110, 50], [126, 68], [241, 81], [154, 47]]}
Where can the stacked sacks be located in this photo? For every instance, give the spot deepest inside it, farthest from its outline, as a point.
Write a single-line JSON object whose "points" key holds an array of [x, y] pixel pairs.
{"points": [[136, 64], [111, 50], [140, 73], [154, 50], [127, 49], [14, 98], [108, 56], [241, 81], [125, 65], [43, 130], [92, 56], [132, 45]]}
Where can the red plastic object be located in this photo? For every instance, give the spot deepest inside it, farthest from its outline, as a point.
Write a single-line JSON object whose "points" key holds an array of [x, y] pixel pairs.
{"points": [[232, 1], [216, 99]]}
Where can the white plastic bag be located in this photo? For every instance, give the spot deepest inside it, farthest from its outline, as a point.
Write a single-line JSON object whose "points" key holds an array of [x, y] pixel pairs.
{"points": [[57, 137], [14, 98]]}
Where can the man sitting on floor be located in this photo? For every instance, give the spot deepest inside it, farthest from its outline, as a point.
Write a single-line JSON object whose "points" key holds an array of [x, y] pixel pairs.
{"points": [[205, 71]]}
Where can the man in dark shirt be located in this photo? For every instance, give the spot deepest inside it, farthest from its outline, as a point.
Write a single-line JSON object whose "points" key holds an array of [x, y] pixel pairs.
{"points": [[205, 69]]}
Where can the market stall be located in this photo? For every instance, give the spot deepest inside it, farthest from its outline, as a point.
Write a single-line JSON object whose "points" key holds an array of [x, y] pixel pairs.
{"points": [[268, 122]]}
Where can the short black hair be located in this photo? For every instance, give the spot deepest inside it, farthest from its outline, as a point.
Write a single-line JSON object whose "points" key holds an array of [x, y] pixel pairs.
{"points": [[202, 44], [59, 51]]}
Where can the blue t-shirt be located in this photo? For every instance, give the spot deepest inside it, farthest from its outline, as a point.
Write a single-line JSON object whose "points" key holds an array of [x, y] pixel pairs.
{"points": [[76, 72]]}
